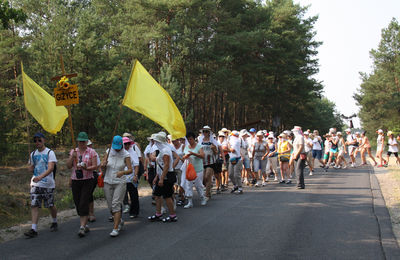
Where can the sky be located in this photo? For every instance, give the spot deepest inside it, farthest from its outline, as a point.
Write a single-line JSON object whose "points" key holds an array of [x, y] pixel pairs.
{"points": [[349, 29]]}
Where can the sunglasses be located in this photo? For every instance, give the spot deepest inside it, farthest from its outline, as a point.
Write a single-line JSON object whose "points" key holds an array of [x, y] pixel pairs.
{"points": [[37, 140]]}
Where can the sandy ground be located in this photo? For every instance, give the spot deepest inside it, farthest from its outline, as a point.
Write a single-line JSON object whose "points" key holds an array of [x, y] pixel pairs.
{"points": [[14, 232], [389, 181]]}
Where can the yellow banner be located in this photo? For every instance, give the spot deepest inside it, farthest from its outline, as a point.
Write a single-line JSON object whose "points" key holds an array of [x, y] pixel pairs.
{"points": [[144, 95], [42, 107]]}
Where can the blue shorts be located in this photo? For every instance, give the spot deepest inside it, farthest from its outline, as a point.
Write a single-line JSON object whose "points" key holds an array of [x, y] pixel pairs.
{"points": [[246, 163], [317, 154], [334, 150], [259, 164]]}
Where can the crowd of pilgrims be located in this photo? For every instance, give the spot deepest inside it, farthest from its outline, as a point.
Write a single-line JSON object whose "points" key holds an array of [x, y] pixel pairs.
{"points": [[242, 158]]}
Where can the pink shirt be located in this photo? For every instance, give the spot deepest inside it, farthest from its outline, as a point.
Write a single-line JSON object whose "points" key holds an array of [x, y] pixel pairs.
{"points": [[87, 157]]}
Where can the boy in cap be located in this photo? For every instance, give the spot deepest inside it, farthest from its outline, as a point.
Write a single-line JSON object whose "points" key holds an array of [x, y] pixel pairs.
{"points": [[41, 164]]}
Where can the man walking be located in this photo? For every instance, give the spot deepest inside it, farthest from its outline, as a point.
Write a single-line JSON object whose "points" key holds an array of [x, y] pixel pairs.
{"points": [[42, 162], [299, 156]]}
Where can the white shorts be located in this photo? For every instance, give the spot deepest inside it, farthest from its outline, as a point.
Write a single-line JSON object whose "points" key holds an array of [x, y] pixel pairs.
{"points": [[351, 149]]}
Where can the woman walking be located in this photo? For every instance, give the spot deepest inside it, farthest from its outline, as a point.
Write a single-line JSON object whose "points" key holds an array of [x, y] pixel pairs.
{"points": [[284, 149], [260, 152], [366, 148], [113, 164], [164, 180], [393, 147], [380, 146], [195, 154], [83, 162]]}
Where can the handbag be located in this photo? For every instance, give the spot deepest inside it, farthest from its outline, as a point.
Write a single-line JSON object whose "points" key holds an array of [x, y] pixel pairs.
{"points": [[190, 172], [100, 180], [284, 158]]}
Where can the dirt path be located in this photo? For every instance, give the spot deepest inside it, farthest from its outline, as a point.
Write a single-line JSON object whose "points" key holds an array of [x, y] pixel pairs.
{"points": [[17, 231], [389, 181]]}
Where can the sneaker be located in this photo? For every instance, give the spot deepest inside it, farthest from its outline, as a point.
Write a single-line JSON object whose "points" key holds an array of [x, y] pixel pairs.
{"points": [[288, 182], [240, 191], [53, 227], [218, 191], [203, 201], [133, 216], [180, 203], [257, 184], [81, 232], [344, 167], [282, 182], [121, 224], [223, 188], [114, 233], [311, 173], [31, 233], [126, 210], [87, 230], [276, 179], [264, 183], [326, 168], [353, 165], [234, 189]]}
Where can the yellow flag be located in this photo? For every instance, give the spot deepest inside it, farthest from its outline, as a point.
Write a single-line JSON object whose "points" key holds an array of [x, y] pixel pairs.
{"points": [[42, 106], [144, 95]]}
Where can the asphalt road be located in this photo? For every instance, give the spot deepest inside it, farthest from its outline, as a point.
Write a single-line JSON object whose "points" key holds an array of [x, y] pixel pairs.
{"points": [[340, 215]]}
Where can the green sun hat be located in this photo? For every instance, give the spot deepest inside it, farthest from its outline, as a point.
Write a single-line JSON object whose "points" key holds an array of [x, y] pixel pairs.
{"points": [[82, 136]]}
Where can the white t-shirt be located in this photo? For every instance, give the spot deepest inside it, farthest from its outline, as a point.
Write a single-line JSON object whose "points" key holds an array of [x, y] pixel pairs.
{"points": [[134, 162], [137, 150], [350, 138], [316, 143], [392, 146], [149, 150], [244, 148], [327, 146], [160, 162], [308, 144], [235, 144], [116, 163], [251, 140], [298, 141], [379, 142], [40, 160]]}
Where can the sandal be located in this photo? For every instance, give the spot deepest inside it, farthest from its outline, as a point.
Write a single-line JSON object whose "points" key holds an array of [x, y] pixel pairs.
{"points": [[154, 218], [170, 219]]}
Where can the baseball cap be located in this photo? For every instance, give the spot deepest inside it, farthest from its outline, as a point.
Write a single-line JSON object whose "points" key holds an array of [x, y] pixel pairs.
{"points": [[117, 142], [82, 136], [380, 131], [348, 130], [220, 133], [235, 133], [389, 133], [252, 130], [260, 133], [38, 134]]}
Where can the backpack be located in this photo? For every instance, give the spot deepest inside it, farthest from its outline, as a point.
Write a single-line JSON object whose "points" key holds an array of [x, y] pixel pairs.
{"points": [[55, 164]]}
